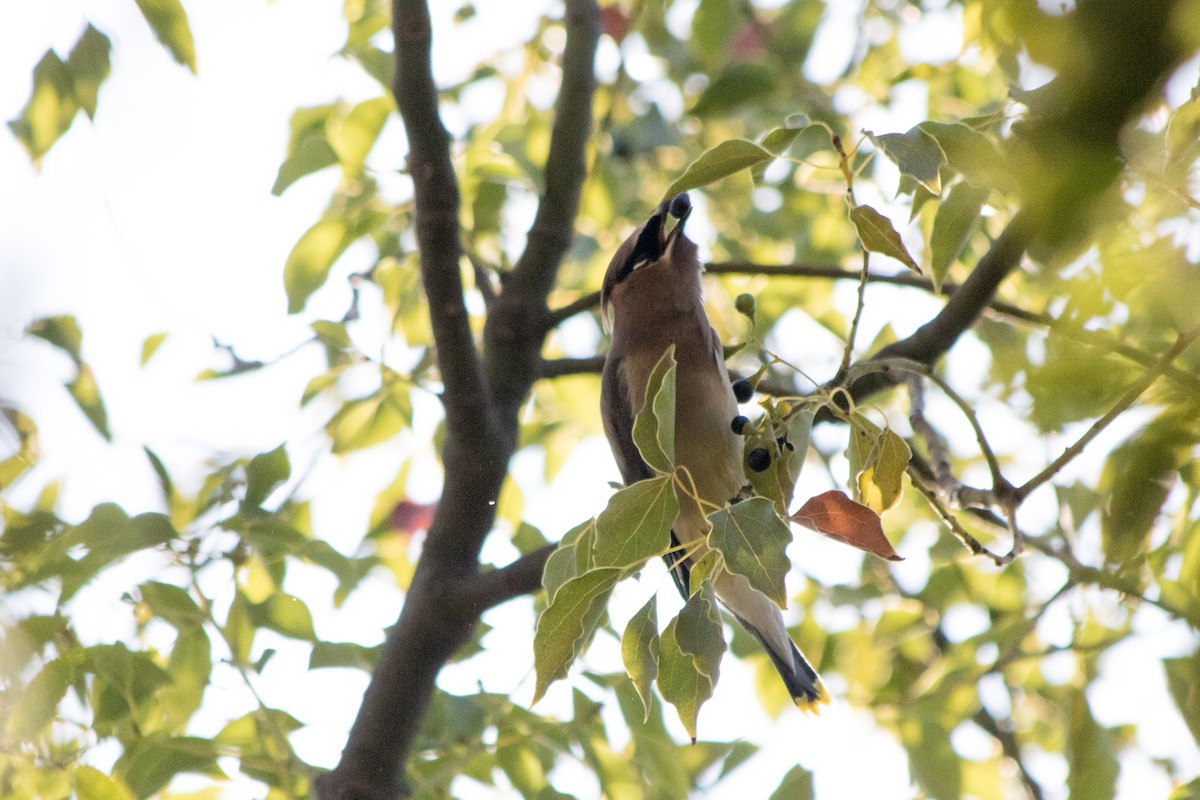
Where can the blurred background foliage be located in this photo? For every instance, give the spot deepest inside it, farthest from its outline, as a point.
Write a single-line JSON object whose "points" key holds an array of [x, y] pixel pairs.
{"points": [[940, 104]]}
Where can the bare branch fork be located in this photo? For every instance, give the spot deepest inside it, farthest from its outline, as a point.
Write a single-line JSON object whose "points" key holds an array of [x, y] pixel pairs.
{"points": [[481, 398]]}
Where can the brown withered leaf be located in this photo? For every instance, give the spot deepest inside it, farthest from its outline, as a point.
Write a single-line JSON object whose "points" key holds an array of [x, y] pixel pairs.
{"points": [[838, 517]]}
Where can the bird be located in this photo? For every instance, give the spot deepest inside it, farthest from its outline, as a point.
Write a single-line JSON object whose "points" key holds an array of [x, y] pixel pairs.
{"points": [[651, 299]]}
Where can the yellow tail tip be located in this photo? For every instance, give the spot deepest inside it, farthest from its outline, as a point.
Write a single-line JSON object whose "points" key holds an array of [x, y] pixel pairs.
{"points": [[814, 706]]}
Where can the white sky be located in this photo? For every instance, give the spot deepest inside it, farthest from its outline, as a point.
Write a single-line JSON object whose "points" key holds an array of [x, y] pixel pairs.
{"points": [[158, 217]]}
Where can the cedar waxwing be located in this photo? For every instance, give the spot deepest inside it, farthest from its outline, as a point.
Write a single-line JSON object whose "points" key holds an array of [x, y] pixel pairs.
{"points": [[651, 299]]}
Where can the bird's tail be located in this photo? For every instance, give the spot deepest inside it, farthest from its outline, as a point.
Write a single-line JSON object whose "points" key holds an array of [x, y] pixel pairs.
{"points": [[762, 620], [801, 680]]}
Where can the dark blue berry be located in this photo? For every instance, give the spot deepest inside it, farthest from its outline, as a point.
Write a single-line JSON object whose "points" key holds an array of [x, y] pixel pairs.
{"points": [[759, 459], [742, 390], [681, 204], [739, 424]]}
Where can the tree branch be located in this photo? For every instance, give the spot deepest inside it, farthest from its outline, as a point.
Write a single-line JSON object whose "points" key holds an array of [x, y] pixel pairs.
{"points": [[516, 326], [1093, 338], [523, 576], [935, 338], [436, 204], [1183, 342], [558, 367], [481, 413], [1003, 734], [433, 623], [566, 163]]}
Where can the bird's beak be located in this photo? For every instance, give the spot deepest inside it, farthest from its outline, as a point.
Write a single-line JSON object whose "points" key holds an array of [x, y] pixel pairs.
{"points": [[679, 207], [654, 240]]}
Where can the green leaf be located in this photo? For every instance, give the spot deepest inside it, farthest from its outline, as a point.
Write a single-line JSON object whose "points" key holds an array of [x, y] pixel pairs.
{"points": [[50, 110], [89, 64], [636, 524], [125, 679], [568, 623], [63, 332], [1074, 382], [881, 480], [265, 473], [1186, 791], [639, 652], [877, 235], [752, 538], [364, 423], [238, 629], [527, 538], [108, 534], [343, 654], [92, 784], [1136, 479], [1183, 132], [247, 732], [791, 459], [864, 435], [309, 263], [172, 604], [971, 154], [766, 482], [702, 570], [935, 766], [1189, 569], [36, 705], [487, 206], [169, 22], [563, 563], [690, 656], [353, 135], [797, 784], [150, 346], [779, 139], [190, 667], [311, 154], [86, 394], [150, 762], [25, 455], [916, 153], [654, 425], [285, 614], [737, 85], [1091, 753], [1183, 681], [956, 221], [713, 25], [721, 161]]}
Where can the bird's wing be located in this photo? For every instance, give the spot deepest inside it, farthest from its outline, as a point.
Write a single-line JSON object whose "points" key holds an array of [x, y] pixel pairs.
{"points": [[618, 427], [618, 423]]}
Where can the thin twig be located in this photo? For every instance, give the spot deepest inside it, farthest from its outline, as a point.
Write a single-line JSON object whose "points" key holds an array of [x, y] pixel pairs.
{"points": [[999, 483], [950, 520], [1131, 395], [1081, 573], [1002, 732], [1101, 340], [935, 443], [864, 273]]}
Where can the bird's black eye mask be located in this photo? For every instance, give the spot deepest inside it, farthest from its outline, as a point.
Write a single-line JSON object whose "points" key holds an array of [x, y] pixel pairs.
{"points": [[647, 249], [651, 243]]}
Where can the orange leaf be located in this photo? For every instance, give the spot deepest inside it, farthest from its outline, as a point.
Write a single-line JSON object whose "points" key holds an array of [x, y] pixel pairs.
{"points": [[410, 517], [839, 517]]}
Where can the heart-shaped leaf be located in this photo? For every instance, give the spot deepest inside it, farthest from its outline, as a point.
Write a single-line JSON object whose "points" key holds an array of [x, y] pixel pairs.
{"points": [[838, 517]]}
